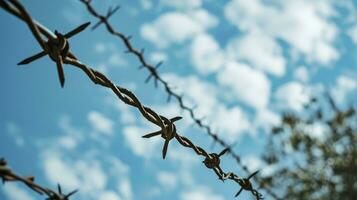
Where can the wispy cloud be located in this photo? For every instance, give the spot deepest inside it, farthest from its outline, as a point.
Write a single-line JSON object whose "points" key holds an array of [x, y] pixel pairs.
{"points": [[182, 4], [259, 50], [15, 132], [249, 85], [200, 193], [100, 123], [16, 192], [304, 25], [177, 27], [206, 54], [343, 87], [292, 95]]}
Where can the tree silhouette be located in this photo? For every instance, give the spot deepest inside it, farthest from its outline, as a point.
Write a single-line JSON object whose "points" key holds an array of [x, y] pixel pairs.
{"points": [[314, 155]]}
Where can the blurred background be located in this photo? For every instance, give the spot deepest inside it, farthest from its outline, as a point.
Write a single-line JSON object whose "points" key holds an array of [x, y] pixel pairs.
{"points": [[245, 64]]}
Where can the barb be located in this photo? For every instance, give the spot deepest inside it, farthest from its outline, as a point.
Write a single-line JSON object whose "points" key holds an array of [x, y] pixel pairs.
{"points": [[55, 45], [58, 50], [7, 175], [139, 54]]}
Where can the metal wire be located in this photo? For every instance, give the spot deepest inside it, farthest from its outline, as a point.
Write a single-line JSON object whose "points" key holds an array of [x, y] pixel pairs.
{"points": [[7, 175], [154, 74], [58, 49]]}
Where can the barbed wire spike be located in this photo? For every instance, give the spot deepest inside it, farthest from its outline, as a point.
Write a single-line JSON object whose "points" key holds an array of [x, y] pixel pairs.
{"points": [[52, 48], [247, 185], [148, 78], [109, 14], [43, 53], [168, 133], [223, 152], [60, 195], [111, 11], [159, 64]]}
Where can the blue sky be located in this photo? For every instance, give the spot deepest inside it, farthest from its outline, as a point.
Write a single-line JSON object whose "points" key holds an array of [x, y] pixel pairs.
{"points": [[242, 63]]}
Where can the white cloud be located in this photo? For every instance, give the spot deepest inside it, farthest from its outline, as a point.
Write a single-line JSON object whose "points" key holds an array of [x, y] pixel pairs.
{"points": [[185, 159], [113, 58], [172, 109], [205, 19], [71, 137], [260, 51], [100, 123], [126, 114], [301, 74], [57, 170], [65, 124], [15, 132], [344, 86], [182, 4], [101, 47], [117, 167], [68, 142], [303, 24], [206, 54], [249, 85], [352, 32], [177, 27], [317, 130], [158, 56], [252, 162], [109, 195], [292, 95], [146, 148], [200, 193], [92, 175], [88, 174], [116, 59], [14, 191], [73, 13], [167, 180], [230, 121], [146, 4], [266, 118], [125, 189], [195, 91]]}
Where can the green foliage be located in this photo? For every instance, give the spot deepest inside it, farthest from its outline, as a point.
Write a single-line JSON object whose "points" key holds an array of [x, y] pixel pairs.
{"points": [[313, 155]]}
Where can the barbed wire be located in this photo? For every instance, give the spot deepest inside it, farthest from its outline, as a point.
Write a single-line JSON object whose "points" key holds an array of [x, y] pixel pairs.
{"points": [[139, 54], [58, 49], [7, 175]]}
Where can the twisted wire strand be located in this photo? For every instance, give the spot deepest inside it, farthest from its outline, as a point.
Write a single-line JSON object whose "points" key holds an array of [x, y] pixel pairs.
{"points": [[58, 50], [7, 175], [169, 90]]}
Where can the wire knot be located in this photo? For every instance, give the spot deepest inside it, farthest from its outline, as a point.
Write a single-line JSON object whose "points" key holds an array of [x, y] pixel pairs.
{"points": [[246, 184], [58, 46], [169, 129], [212, 161], [58, 50], [167, 132]]}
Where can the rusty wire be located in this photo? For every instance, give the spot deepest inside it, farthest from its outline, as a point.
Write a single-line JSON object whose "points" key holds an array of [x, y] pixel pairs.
{"points": [[154, 74], [57, 48], [7, 175]]}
